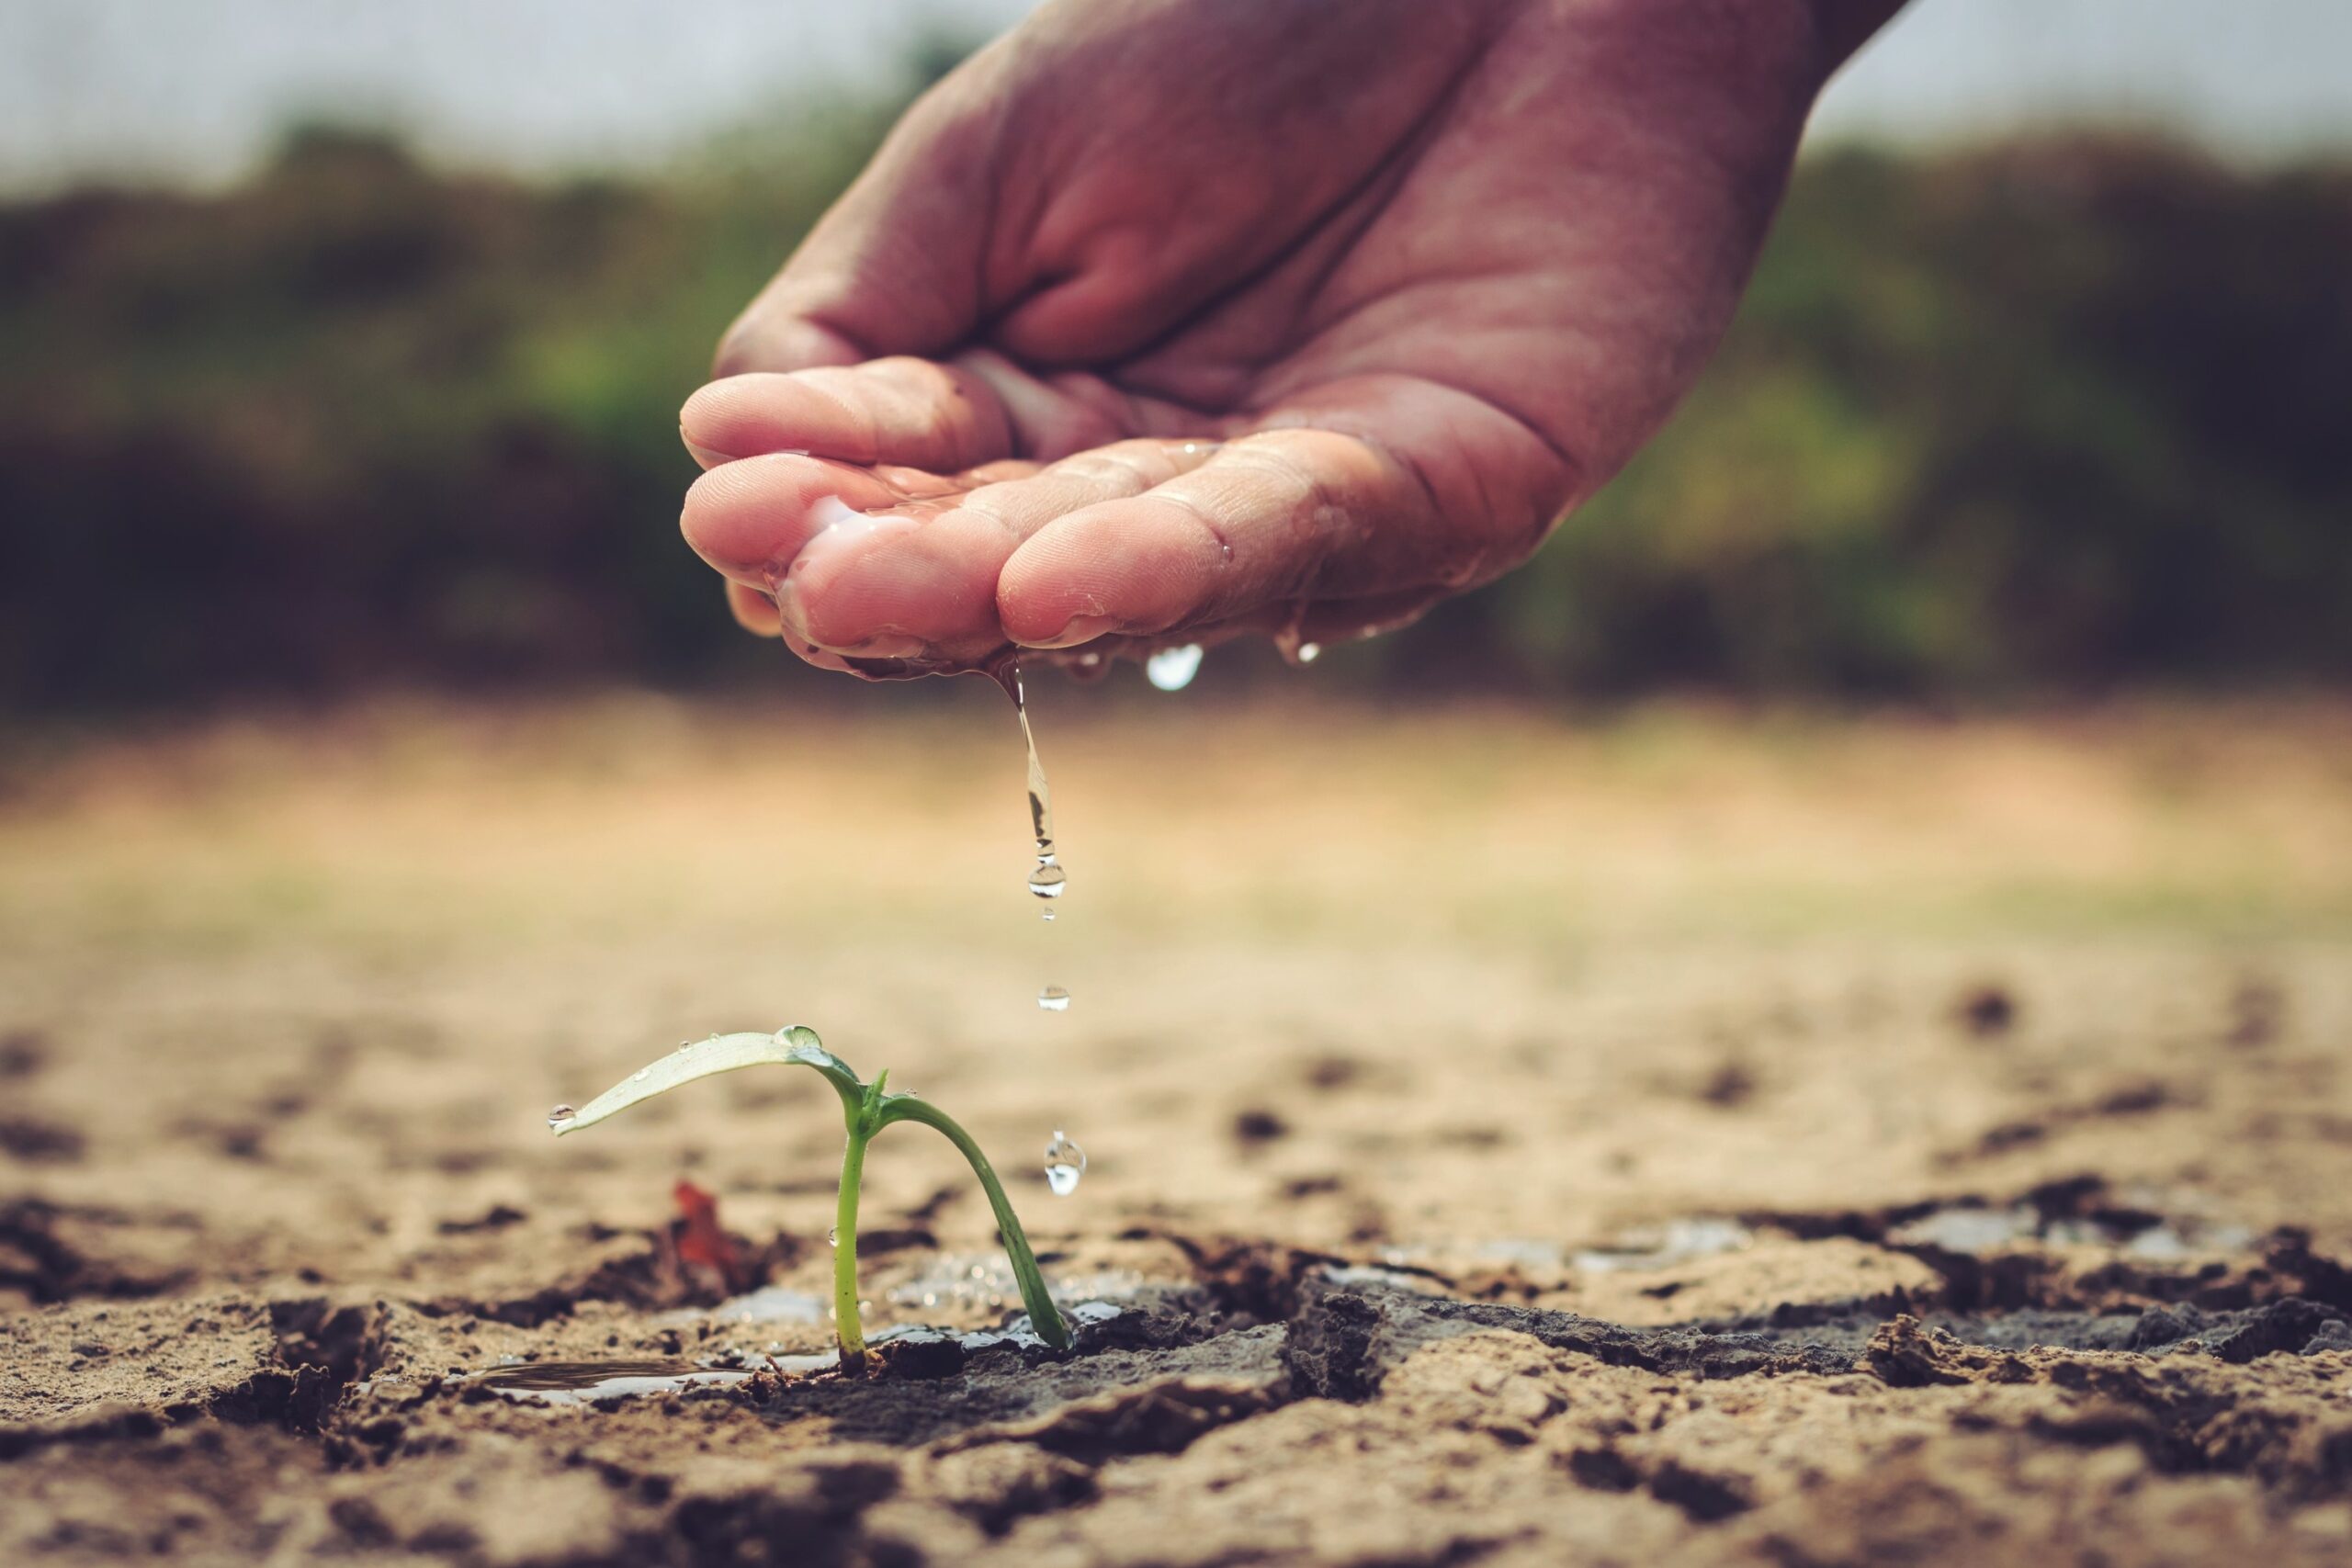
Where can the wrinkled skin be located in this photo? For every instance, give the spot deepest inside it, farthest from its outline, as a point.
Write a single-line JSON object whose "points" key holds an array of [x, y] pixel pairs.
{"points": [[1165, 320]]}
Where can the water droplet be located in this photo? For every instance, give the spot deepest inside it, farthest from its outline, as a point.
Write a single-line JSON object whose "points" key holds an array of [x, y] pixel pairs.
{"points": [[1047, 880], [640, 1075], [832, 1235], [1309, 651], [1052, 998], [1065, 1163], [1048, 912], [560, 1118], [1172, 669]]}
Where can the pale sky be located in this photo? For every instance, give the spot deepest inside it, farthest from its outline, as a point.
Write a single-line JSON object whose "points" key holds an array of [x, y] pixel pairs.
{"points": [[192, 90]]}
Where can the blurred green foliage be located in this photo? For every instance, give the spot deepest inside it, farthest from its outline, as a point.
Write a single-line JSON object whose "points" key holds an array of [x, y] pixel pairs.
{"points": [[2034, 418]]}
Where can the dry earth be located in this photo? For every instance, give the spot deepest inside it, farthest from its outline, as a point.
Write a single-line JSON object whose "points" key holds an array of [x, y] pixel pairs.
{"points": [[1679, 1137]]}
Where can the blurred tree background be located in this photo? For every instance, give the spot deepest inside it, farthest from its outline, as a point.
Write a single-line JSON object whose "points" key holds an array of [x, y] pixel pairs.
{"points": [[2025, 420]]}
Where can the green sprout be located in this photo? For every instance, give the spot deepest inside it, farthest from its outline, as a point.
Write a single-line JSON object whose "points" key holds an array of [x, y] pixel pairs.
{"points": [[867, 1109]]}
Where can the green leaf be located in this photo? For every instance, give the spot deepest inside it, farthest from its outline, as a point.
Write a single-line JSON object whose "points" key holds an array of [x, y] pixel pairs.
{"points": [[795, 1046]]}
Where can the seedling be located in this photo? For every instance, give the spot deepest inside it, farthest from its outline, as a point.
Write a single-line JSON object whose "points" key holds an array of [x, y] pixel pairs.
{"points": [[867, 1109]]}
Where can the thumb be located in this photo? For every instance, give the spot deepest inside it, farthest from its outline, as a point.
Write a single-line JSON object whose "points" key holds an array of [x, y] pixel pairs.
{"points": [[895, 266]]}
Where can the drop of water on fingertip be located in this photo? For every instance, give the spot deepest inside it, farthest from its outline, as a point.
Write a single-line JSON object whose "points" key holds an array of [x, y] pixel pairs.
{"points": [[1172, 669], [1052, 998], [560, 1117], [1065, 1163]]}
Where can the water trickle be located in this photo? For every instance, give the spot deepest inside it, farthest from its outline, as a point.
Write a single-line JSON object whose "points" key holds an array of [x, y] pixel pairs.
{"points": [[1049, 880], [560, 1117], [1172, 669], [1065, 1163]]}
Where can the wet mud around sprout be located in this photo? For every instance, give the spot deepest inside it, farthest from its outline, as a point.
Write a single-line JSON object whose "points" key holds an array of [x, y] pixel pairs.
{"points": [[1460, 1228]]}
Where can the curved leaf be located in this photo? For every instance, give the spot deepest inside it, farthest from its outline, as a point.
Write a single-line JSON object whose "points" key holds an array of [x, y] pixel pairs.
{"points": [[795, 1046]]}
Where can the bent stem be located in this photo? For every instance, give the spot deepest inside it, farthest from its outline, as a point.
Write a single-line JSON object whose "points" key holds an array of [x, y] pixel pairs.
{"points": [[1043, 1315]]}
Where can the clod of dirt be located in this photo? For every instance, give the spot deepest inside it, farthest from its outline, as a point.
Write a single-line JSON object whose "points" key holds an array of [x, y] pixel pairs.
{"points": [[22, 1053], [1986, 1011], [1730, 1086], [46, 1255], [36, 1141], [1346, 1339], [1258, 1126]]}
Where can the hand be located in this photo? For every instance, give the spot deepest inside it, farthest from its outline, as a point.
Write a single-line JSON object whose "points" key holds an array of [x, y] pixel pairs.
{"points": [[1163, 319]]}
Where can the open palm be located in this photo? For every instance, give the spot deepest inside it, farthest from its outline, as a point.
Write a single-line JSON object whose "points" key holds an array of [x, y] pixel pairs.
{"points": [[1159, 320]]}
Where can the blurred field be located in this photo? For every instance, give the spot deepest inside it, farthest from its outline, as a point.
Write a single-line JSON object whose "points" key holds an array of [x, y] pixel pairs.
{"points": [[1290, 821], [411, 928]]}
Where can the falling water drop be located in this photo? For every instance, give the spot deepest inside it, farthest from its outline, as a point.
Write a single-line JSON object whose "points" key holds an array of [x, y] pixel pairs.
{"points": [[1065, 1163], [1048, 880], [1046, 913], [1172, 669], [1309, 651], [560, 1118], [1052, 998]]}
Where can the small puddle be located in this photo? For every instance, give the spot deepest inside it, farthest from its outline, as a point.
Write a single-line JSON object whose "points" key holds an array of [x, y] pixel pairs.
{"points": [[984, 1282], [1980, 1230], [594, 1383], [1663, 1247], [587, 1383]]}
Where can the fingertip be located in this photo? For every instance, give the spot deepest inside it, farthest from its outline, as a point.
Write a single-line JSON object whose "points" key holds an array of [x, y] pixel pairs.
{"points": [[1138, 567], [753, 610], [757, 415], [749, 518], [876, 580], [703, 455]]}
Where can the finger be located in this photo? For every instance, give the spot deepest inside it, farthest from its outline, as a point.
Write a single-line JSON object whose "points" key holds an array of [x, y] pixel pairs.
{"points": [[923, 575], [752, 610], [1284, 514], [902, 410], [756, 612], [1351, 620], [750, 519], [894, 266]]}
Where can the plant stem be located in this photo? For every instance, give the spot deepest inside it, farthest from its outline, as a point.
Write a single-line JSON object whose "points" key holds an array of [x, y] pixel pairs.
{"points": [[847, 1329], [1043, 1316]]}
